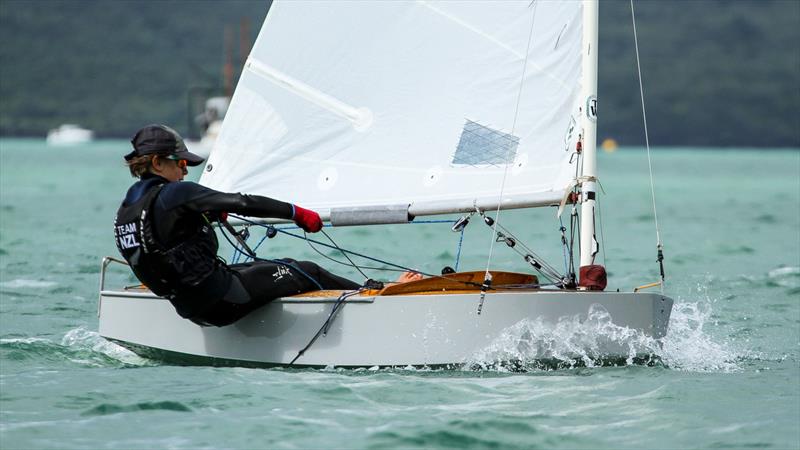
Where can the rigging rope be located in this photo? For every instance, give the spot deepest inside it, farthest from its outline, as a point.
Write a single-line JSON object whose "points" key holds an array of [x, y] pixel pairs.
{"points": [[252, 254], [564, 246], [458, 253], [659, 245], [380, 261], [323, 330], [487, 280], [242, 247], [402, 268], [602, 234], [528, 255], [342, 251]]}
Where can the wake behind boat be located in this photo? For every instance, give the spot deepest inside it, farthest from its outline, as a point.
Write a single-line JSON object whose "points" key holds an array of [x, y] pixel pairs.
{"points": [[379, 113]]}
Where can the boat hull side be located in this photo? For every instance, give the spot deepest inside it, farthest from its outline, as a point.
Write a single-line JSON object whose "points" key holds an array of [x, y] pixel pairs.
{"points": [[417, 330]]}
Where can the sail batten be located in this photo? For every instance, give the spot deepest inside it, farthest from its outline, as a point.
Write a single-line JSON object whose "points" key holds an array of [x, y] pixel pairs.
{"points": [[361, 104], [472, 28], [360, 117]]}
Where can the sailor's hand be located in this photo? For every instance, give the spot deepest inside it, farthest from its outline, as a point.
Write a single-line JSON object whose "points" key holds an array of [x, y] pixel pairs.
{"points": [[405, 277], [306, 219]]}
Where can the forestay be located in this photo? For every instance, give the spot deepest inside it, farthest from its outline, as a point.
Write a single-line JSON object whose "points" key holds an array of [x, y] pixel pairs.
{"points": [[395, 104]]}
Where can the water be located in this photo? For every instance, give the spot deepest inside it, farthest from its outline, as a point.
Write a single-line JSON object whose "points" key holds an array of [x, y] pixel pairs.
{"points": [[729, 377]]}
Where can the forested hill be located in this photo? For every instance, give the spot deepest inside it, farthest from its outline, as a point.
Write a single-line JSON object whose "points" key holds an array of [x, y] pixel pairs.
{"points": [[721, 73]]}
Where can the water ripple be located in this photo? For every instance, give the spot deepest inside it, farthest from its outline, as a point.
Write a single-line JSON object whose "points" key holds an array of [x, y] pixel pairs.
{"points": [[23, 283], [110, 408]]}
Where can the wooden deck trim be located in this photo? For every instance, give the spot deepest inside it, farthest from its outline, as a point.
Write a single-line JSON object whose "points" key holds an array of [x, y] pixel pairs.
{"points": [[454, 283]]}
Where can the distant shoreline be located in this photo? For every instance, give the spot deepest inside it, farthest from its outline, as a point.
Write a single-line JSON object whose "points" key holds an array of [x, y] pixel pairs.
{"points": [[621, 148]]}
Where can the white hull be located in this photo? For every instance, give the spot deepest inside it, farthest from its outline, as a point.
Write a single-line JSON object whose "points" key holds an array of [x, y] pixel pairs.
{"points": [[396, 330], [69, 135], [204, 146]]}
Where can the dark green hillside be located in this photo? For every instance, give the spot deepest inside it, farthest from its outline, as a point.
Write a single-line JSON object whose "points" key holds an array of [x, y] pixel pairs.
{"points": [[716, 72], [111, 65]]}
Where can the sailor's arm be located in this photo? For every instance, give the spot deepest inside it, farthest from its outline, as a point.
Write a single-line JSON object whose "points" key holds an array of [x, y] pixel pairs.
{"points": [[244, 204], [202, 199]]}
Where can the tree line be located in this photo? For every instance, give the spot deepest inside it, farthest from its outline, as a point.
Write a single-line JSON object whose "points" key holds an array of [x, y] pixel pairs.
{"points": [[716, 73]]}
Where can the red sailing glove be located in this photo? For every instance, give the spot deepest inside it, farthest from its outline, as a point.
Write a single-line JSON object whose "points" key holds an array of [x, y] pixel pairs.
{"points": [[306, 219]]}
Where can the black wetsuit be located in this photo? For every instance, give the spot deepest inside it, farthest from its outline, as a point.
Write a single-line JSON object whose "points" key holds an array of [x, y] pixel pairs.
{"points": [[172, 219]]}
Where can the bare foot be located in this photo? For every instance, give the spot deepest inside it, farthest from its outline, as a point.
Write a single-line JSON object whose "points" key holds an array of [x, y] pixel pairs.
{"points": [[409, 276]]}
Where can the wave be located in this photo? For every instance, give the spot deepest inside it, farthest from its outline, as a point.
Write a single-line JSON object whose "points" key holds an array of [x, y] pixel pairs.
{"points": [[785, 276], [105, 409], [78, 346], [783, 272], [22, 283]]}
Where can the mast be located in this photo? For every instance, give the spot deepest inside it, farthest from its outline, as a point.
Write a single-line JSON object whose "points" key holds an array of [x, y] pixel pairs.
{"points": [[589, 245], [227, 71]]}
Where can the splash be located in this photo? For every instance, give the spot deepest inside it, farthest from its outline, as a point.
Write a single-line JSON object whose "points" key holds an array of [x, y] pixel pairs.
{"points": [[79, 346], [81, 339], [533, 344], [688, 346], [567, 343]]}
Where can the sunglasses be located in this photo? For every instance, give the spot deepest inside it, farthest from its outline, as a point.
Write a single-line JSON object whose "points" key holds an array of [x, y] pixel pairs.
{"points": [[182, 163]]}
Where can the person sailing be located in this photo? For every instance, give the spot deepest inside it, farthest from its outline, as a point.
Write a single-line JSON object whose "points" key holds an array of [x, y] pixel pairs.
{"points": [[163, 229]]}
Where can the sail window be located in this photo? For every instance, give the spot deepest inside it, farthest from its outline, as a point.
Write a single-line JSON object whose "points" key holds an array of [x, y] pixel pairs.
{"points": [[481, 145]]}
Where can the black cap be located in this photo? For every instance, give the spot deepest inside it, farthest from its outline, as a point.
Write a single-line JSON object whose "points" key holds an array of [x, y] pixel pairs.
{"points": [[161, 140]]}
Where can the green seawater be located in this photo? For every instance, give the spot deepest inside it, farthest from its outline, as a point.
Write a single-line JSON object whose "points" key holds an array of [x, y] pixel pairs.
{"points": [[730, 365]]}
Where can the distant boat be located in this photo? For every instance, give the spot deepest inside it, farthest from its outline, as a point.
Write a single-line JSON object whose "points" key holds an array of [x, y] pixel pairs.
{"points": [[211, 122], [69, 134], [609, 145]]}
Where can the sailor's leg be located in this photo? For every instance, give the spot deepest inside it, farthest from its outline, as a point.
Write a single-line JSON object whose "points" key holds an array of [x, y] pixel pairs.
{"points": [[326, 279], [253, 285], [257, 283], [266, 280]]}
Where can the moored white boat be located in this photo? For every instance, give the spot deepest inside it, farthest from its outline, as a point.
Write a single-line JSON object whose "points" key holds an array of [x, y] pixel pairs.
{"points": [[211, 123], [69, 134]]}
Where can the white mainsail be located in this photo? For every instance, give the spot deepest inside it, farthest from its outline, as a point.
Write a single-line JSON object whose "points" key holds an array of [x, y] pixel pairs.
{"points": [[436, 105]]}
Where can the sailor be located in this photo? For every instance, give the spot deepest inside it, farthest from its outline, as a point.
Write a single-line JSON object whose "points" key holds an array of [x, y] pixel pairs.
{"points": [[163, 229]]}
